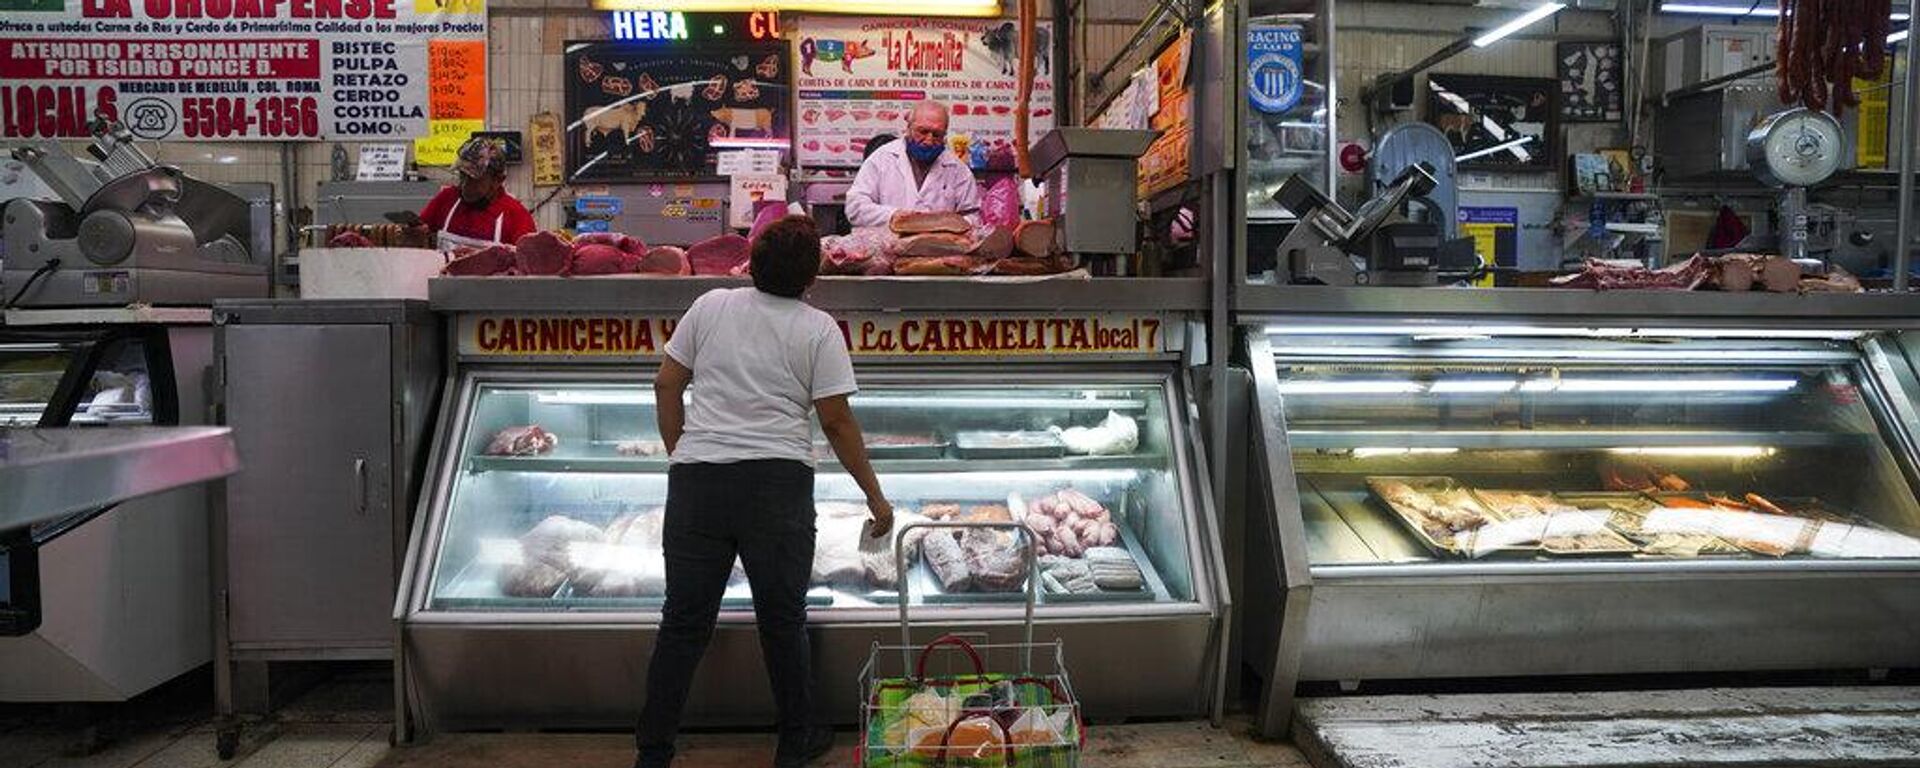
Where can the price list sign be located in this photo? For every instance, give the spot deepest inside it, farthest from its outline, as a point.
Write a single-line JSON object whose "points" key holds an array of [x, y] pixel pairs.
{"points": [[237, 70]]}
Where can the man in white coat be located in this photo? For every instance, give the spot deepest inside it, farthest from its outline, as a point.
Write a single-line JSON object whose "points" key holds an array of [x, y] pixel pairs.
{"points": [[915, 173]]}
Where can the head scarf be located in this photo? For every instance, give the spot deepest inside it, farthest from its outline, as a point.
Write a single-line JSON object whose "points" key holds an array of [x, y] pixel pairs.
{"points": [[482, 157]]}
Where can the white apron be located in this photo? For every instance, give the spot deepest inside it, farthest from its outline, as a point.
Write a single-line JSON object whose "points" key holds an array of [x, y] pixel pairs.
{"points": [[448, 242]]}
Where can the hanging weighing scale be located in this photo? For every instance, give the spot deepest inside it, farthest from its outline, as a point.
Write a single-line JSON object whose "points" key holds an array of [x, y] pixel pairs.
{"points": [[1793, 150]]}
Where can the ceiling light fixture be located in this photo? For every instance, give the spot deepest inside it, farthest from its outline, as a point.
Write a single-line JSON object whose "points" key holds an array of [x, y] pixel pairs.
{"points": [[1526, 20]]}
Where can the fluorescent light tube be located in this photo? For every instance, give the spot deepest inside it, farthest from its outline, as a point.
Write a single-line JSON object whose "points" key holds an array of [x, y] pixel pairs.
{"points": [[1676, 385], [1526, 20], [591, 397], [1898, 36], [1368, 453], [1349, 388], [1702, 9], [1501, 147], [1719, 451], [1473, 385]]}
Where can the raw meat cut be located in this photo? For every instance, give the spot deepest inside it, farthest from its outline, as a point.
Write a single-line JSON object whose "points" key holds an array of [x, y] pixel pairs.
{"points": [[718, 255], [1837, 281], [854, 253], [1114, 568], [542, 253], [1034, 238], [916, 223], [1022, 265], [993, 560], [626, 243], [531, 580], [1746, 271], [1000, 206], [1067, 523], [665, 260], [349, 239], [935, 265], [491, 260], [936, 244], [994, 244], [530, 440], [837, 561], [598, 259], [765, 213], [551, 541], [947, 561], [1601, 275]]}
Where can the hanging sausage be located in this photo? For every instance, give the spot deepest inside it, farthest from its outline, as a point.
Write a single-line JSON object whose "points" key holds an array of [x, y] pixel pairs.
{"points": [[1823, 44]]}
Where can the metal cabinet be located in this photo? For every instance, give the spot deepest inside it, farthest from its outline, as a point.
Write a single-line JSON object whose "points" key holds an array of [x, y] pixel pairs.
{"points": [[329, 402]]}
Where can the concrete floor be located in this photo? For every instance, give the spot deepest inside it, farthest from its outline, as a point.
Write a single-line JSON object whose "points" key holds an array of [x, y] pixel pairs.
{"points": [[343, 724]]}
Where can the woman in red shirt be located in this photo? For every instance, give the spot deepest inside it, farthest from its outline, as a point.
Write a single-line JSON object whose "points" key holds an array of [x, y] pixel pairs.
{"points": [[476, 210]]}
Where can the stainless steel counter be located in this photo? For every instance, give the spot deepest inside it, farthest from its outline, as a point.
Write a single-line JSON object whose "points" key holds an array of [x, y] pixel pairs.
{"points": [[873, 294], [51, 473]]}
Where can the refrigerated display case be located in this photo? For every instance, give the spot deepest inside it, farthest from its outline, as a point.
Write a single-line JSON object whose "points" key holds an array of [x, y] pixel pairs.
{"points": [[1579, 490], [85, 369], [535, 575]]}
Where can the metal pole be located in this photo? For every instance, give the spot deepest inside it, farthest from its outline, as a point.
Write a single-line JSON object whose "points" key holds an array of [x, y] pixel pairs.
{"points": [[1903, 241]]}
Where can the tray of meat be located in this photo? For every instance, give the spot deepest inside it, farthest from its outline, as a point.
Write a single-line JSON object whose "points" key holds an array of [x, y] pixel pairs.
{"points": [[898, 446], [1629, 516], [1008, 445], [1749, 534], [528, 440], [1436, 509], [1514, 505]]}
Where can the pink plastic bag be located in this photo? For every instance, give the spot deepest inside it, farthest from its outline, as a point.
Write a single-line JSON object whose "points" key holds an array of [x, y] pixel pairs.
{"points": [[1000, 206]]}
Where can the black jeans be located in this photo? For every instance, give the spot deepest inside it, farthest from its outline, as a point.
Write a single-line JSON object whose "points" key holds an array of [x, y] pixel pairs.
{"points": [[761, 511]]}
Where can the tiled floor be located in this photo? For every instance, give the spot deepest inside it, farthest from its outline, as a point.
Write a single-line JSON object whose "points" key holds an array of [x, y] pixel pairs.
{"points": [[342, 725]]}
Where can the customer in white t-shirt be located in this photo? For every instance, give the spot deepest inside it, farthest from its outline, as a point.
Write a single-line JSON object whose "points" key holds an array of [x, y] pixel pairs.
{"points": [[741, 481]]}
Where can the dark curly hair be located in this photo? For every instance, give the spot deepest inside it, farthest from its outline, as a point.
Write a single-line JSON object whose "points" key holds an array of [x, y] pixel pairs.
{"points": [[786, 257]]}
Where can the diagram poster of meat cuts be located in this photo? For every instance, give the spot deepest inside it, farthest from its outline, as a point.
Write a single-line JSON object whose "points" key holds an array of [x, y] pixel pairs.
{"points": [[859, 77], [236, 70], [642, 110]]}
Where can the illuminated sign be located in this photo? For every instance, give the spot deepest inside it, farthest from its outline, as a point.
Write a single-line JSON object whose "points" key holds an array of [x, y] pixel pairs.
{"points": [[931, 8], [675, 26]]}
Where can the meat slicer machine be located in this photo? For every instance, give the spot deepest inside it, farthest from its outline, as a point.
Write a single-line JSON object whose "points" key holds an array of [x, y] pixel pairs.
{"points": [[123, 230], [1333, 246]]}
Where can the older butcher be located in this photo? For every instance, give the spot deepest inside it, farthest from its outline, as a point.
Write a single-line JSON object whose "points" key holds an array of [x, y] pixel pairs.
{"points": [[915, 173]]}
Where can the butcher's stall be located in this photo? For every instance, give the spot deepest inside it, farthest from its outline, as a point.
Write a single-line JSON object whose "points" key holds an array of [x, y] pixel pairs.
{"points": [[1535, 482], [535, 576]]}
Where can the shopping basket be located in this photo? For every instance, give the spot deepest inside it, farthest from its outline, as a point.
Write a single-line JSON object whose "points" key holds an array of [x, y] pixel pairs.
{"points": [[1008, 705]]}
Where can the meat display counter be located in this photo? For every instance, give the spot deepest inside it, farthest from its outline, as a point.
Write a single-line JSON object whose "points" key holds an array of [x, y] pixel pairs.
{"points": [[1460, 497], [535, 575]]}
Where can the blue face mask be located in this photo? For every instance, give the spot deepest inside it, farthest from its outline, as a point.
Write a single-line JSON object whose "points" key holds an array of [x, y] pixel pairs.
{"points": [[924, 154]]}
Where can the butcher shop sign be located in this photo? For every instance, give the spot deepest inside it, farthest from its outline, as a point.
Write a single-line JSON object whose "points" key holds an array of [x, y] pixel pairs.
{"points": [[236, 70], [867, 336]]}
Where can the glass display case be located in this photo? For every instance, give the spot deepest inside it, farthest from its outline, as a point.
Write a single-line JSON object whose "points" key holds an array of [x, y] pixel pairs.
{"points": [[52, 377], [1545, 449], [557, 501], [1505, 495]]}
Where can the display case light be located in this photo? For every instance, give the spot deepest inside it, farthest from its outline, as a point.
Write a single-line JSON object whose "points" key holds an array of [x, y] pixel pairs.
{"points": [[1349, 387], [970, 8], [1676, 385], [1709, 9], [1447, 386], [1369, 453], [1701, 451], [1898, 37], [594, 397], [1439, 332]]}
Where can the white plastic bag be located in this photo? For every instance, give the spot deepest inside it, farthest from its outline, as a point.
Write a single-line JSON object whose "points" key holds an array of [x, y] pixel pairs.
{"points": [[1116, 435]]}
